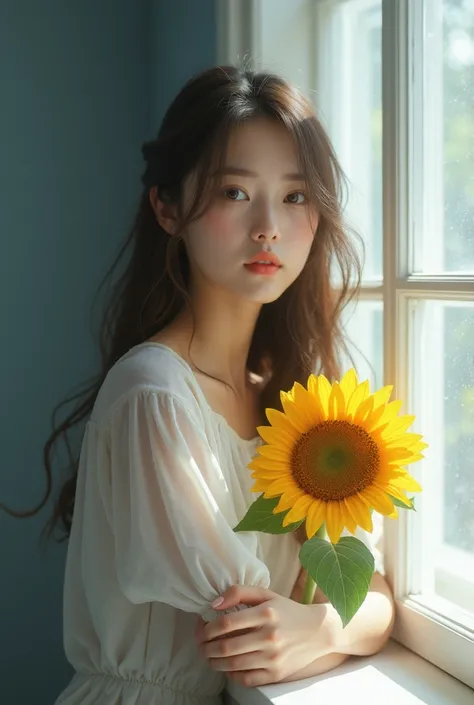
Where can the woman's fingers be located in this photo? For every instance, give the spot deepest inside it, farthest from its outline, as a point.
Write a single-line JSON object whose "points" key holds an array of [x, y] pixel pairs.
{"points": [[243, 662], [236, 621], [234, 646], [243, 595]]}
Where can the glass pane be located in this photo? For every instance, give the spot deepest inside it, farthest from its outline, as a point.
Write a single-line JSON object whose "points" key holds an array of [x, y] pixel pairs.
{"points": [[443, 336], [447, 238], [354, 118], [333, 52], [363, 325]]}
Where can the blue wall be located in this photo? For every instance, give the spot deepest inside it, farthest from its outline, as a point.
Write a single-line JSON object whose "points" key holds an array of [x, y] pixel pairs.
{"points": [[83, 85], [185, 42]]}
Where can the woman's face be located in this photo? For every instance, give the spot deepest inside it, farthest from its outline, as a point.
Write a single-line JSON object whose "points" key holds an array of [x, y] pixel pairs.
{"points": [[261, 202]]}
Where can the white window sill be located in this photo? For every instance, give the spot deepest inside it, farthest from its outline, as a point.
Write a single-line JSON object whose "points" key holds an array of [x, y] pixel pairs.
{"points": [[395, 676]]}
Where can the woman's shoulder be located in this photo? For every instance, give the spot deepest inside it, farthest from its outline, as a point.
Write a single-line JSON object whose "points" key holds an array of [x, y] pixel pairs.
{"points": [[147, 367]]}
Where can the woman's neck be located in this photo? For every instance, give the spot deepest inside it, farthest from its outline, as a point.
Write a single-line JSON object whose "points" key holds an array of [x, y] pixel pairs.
{"points": [[220, 346]]}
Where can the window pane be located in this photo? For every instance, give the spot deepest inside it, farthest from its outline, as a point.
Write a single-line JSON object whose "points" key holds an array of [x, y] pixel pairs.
{"points": [[447, 234], [443, 380], [363, 325], [333, 52], [350, 97]]}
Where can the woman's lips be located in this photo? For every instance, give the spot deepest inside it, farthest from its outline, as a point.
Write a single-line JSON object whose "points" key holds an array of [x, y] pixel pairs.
{"points": [[262, 256], [259, 268]]}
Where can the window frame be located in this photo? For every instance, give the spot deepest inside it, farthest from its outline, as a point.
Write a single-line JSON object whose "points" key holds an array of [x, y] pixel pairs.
{"points": [[437, 637]]}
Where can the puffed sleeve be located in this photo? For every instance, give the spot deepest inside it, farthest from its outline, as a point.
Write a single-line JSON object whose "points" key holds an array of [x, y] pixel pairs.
{"points": [[171, 510]]}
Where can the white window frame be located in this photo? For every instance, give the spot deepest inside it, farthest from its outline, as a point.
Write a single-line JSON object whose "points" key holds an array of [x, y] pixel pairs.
{"points": [[439, 638]]}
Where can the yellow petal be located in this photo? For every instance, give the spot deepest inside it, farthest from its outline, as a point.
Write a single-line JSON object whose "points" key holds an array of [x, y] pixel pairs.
{"points": [[317, 408], [406, 482], [389, 412], [418, 447], [349, 522], [272, 453], [276, 437], [336, 403], [364, 411], [321, 388], [406, 440], [348, 383], [373, 419], [280, 421], [287, 395], [414, 459], [261, 485], [360, 512], [316, 517], [392, 410], [263, 463], [280, 486], [299, 392], [398, 455], [311, 411], [377, 499], [267, 474], [334, 522], [312, 384], [398, 425], [382, 396], [389, 473], [288, 499], [395, 492], [394, 514], [358, 396], [298, 510], [295, 415]]}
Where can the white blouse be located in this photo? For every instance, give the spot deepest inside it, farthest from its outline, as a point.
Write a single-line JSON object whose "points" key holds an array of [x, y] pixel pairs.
{"points": [[162, 481]]}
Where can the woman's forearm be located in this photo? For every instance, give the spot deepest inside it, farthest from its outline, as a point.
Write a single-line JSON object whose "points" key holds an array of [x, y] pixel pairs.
{"points": [[320, 665], [366, 633], [370, 629]]}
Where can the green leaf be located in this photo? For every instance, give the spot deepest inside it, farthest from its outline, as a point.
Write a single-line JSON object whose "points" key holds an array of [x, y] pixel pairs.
{"points": [[342, 570], [260, 517], [397, 503]]}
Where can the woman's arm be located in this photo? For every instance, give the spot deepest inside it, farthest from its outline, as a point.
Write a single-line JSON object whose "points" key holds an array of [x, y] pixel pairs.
{"points": [[366, 633], [277, 639]]}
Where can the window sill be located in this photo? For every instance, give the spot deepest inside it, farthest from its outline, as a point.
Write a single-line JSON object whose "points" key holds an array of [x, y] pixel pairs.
{"points": [[395, 676]]}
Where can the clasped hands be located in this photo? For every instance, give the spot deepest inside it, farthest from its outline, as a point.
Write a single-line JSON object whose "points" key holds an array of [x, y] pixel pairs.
{"points": [[270, 640]]}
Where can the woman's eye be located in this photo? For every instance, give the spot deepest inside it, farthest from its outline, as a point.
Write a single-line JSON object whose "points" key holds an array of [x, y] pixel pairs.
{"points": [[293, 198], [233, 194]]}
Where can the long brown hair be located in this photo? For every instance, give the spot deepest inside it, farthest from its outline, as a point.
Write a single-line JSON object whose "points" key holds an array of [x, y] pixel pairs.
{"points": [[295, 335]]}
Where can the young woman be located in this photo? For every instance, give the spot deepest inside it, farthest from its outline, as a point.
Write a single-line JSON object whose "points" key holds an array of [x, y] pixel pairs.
{"points": [[198, 341]]}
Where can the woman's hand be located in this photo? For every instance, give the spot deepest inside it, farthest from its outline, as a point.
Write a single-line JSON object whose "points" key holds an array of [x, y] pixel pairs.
{"points": [[267, 642]]}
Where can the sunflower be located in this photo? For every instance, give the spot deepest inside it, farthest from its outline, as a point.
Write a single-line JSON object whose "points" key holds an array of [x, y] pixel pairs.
{"points": [[335, 453]]}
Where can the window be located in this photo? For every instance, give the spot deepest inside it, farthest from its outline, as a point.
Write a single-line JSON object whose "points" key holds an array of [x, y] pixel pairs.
{"points": [[428, 69], [393, 83]]}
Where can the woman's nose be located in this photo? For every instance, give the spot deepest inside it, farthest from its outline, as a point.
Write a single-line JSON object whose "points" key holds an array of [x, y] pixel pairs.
{"points": [[265, 228]]}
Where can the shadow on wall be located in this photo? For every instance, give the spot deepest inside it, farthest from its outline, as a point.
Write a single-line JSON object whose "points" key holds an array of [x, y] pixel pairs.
{"points": [[84, 85]]}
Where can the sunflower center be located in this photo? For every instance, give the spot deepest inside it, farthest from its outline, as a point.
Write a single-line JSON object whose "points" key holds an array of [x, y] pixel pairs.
{"points": [[334, 460]]}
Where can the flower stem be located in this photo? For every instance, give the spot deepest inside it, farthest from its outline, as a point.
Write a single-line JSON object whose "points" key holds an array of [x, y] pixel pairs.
{"points": [[310, 584], [309, 590]]}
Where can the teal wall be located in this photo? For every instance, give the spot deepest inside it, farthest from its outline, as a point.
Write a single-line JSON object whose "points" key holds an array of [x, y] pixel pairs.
{"points": [[83, 84]]}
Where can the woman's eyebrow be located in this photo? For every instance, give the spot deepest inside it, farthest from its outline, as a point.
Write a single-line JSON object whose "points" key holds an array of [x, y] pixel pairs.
{"points": [[239, 171]]}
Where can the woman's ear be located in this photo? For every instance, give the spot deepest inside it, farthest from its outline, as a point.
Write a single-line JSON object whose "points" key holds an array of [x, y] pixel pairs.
{"points": [[166, 213]]}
